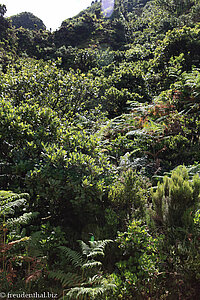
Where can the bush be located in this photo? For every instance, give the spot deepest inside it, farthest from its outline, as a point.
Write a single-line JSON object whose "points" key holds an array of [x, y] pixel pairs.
{"points": [[138, 271], [129, 195], [176, 198]]}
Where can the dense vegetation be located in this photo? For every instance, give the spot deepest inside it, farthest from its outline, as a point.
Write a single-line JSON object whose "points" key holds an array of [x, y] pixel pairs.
{"points": [[27, 20], [99, 153]]}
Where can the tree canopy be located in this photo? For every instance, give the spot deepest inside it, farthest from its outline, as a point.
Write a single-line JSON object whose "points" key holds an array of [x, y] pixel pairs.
{"points": [[27, 20]]}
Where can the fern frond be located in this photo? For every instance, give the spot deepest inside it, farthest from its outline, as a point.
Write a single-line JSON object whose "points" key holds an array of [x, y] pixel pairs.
{"points": [[72, 256], [88, 287], [97, 278], [9, 208], [89, 292], [84, 247], [98, 247], [66, 279], [100, 243], [91, 264], [12, 196], [96, 252], [22, 220], [9, 201]]}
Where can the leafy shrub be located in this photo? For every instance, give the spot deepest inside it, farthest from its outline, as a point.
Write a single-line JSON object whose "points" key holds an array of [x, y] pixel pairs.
{"points": [[176, 198], [176, 204], [58, 163], [128, 195], [139, 269], [42, 83]]}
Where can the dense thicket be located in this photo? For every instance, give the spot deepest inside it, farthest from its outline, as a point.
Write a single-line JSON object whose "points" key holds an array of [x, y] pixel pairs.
{"points": [[27, 20], [99, 142]]}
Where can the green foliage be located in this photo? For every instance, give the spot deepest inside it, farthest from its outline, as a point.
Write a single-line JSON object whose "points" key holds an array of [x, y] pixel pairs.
{"points": [[45, 84], [141, 261], [115, 99], [7, 40], [27, 20], [34, 43], [13, 246], [187, 90], [11, 204], [178, 42], [4, 24], [176, 198], [128, 194], [44, 242], [176, 7], [176, 203], [57, 162], [84, 278]]}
